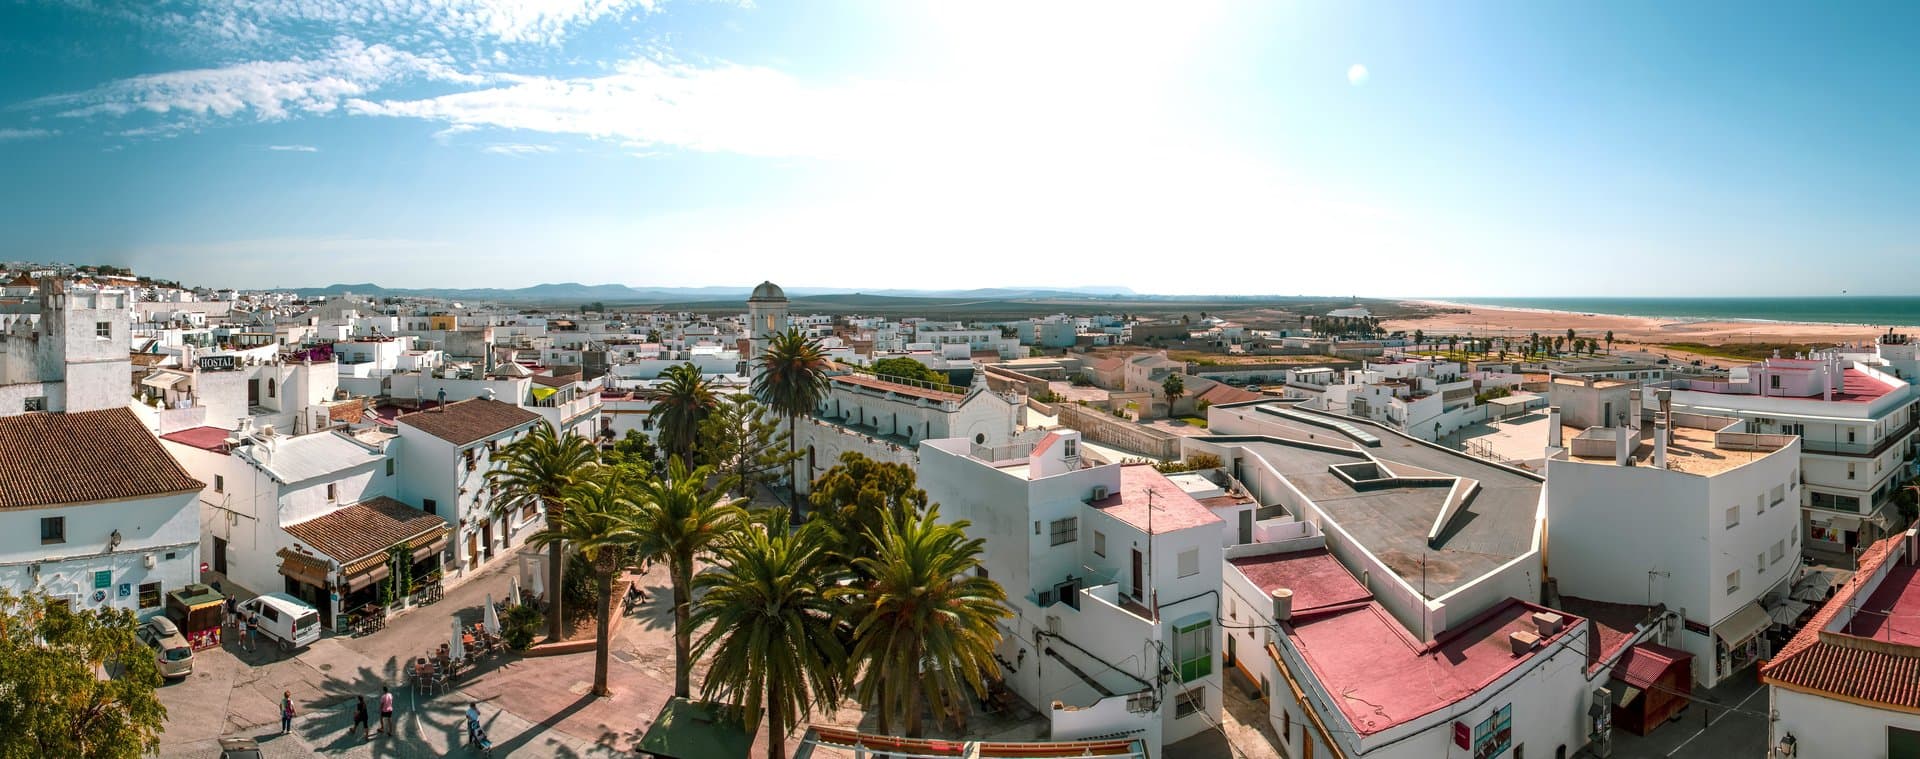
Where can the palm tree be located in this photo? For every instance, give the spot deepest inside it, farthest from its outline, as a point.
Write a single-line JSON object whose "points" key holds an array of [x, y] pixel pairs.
{"points": [[770, 627], [1609, 341], [792, 379], [923, 621], [685, 399], [598, 524], [682, 518], [1174, 386], [536, 470], [1418, 338]]}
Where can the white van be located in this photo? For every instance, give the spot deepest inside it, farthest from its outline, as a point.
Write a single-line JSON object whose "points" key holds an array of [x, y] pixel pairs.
{"points": [[284, 618]]}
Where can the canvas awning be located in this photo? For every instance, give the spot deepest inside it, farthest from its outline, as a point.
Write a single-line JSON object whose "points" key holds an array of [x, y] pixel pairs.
{"points": [[300, 567], [1843, 524], [1742, 625], [543, 393], [377, 573], [163, 380], [433, 544]]}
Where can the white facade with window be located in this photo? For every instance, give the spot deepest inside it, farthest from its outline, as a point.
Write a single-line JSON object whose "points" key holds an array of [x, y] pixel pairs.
{"points": [[67, 551]]}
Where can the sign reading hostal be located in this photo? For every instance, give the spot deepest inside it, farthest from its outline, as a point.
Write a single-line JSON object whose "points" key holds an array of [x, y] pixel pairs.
{"points": [[218, 363]]}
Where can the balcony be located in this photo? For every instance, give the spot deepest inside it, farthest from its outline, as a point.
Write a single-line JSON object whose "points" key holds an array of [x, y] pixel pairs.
{"points": [[1859, 449]]}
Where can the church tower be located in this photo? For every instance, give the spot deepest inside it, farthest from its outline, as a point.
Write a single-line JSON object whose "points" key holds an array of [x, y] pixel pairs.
{"points": [[766, 317]]}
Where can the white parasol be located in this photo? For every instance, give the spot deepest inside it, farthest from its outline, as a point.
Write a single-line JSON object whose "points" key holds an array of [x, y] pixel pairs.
{"points": [[490, 619], [456, 650], [513, 592]]}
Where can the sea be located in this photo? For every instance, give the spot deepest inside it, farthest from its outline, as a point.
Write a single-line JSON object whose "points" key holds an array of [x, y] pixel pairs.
{"points": [[1876, 310]]}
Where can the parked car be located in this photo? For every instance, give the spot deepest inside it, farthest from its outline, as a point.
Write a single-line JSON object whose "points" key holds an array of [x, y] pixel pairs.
{"points": [[291, 622], [170, 648]]}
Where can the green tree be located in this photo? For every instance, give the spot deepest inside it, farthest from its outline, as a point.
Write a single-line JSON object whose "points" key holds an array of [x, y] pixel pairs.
{"points": [[901, 367], [1419, 338], [742, 441], [792, 380], [536, 471], [681, 519], [600, 521], [634, 450], [858, 495], [1175, 385], [923, 620], [770, 628], [1570, 335], [686, 397], [1609, 341], [53, 703]]}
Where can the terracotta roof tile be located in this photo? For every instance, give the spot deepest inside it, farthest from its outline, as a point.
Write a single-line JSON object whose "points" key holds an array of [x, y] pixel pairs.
{"points": [[897, 388], [1847, 665], [469, 421], [51, 459], [365, 528]]}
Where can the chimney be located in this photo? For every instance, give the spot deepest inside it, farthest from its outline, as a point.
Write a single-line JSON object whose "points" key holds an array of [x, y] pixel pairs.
{"points": [[1522, 641], [1623, 440], [1660, 444], [1548, 622], [1553, 427], [1826, 382], [1283, 603]]}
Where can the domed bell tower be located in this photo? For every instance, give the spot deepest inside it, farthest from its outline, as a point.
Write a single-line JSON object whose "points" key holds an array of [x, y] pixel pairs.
{"points": [[766, 317]]}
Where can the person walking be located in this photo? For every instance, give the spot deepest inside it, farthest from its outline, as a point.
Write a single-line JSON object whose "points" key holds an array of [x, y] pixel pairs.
{"points": [[253, 629], [360, 717], [386, 711], [286, 712], [228, 618]]}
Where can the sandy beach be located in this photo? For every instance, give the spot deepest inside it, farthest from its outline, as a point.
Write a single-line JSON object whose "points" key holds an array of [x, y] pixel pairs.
{"points": [[1481, 320]]}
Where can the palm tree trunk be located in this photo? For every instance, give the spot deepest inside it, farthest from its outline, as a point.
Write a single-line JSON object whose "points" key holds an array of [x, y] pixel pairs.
{"points": [[776, 727], [556, 574], [793, 467], [604, 634], [682, 570], [913, 709]]}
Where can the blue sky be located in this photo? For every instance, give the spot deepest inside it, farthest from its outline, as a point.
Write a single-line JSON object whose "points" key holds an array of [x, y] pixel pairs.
{"points": [[1442, 149]]}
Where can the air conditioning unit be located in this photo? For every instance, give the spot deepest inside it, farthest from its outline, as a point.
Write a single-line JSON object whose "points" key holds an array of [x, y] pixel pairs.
{"points": [[1053, 624], [1099, 493], [147, 560]]}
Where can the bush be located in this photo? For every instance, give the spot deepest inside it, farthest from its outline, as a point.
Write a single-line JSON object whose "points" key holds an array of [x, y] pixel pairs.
{"points": [[1198, 462], [1082, 380], [519, 627]]}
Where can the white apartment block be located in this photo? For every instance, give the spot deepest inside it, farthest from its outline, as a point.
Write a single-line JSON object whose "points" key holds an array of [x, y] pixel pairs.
{"points": [[1856, 426], [1113, 573], [65, 349], [887, 420], [445, 454], [1692, 512]]}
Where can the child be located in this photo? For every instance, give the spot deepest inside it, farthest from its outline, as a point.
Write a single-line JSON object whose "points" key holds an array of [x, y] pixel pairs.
{"points": [[286, 712]]}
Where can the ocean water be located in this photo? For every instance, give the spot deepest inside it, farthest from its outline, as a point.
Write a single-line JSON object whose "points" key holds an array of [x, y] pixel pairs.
{"points": [[1877, 310]]}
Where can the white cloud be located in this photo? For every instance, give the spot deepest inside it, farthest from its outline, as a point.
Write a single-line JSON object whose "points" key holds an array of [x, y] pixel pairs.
{"points": [[294, 148], [536, 22], [9, 135], [517, 149], [268, 90], [1357, 74]]}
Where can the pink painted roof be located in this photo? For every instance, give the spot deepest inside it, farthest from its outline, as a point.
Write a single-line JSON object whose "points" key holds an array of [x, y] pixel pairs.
{"points": [[1860, 386], [1045, 443], [1318, 581], [1382, 676], [1173, 509], [204, 438], [1890, 612]]}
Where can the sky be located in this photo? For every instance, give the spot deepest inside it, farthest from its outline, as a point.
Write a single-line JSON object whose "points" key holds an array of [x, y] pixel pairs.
{"points": [[1285, 147]]}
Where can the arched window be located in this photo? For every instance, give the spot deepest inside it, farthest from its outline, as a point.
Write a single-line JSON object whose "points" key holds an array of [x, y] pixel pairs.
{"points": [[270, 387]]}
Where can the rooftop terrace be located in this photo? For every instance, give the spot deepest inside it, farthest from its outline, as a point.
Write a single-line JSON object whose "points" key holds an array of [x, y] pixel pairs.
{"points": [[1692, 449]]}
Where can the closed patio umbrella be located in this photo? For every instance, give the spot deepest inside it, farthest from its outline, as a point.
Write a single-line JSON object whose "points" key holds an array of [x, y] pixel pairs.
{"points": [[513, 593], [490, 619], [456, 650]]}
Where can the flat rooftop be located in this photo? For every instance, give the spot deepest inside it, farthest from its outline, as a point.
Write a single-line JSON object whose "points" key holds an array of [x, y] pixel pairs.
{"points": [[1496, 525], [1171, 508], [1381, 676], [1890, 613], [1855, 386], [1317, 579], [1691, 450]]}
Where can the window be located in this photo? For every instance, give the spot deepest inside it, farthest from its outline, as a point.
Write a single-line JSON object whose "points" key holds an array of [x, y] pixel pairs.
{"points": [[53, 530], [1733, 516], [1233, 609], [270, 387], [1193, 649], [1733, 581], [1779, 494], [1069, 450], [1190, 701], [1760, 504], [1760, 560], [1779, 549], [980, 571], [103, 330], [34, 403], [1099, 544], [1286, 723], [1850, 468], [1065, 530], [1190, 562], [1773, 381], [389, 467], [428, 505], [219, 483], [149, 595], [1850, 435], [333, 492]]}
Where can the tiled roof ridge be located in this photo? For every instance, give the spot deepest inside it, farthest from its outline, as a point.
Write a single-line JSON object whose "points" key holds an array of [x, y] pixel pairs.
{"points": [[1869, 564]]}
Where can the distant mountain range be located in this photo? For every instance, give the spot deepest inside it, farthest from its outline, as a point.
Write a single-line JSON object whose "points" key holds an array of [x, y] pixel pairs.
{"points": [[574, 291]]}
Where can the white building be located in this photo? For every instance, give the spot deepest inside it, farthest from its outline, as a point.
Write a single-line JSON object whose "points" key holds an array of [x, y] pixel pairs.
{"points": [[1699, 519], [888, 420], [445, 454], [94, 512], [67, 352], [1845, 685], [1113, 574], [766, 317], [1856, 427]]}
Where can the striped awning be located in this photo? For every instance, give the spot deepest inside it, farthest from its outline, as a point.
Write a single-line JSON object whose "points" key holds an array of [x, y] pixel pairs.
{"points": [[304, 568]]}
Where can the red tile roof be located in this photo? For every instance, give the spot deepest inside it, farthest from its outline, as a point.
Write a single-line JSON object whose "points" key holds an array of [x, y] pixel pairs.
{"points": [[1850, 666], [52, 459], [365, 528], [469, 421], [1643, 665], [875, 383], [1173, 509]]}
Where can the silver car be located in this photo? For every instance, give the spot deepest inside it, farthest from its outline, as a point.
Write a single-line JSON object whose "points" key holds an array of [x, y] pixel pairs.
{"points": [[169, 646]]}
